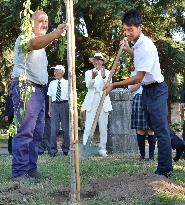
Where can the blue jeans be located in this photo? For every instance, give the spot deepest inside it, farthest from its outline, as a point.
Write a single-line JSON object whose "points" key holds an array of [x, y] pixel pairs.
{"points": [[154, 103], [25, 142]]}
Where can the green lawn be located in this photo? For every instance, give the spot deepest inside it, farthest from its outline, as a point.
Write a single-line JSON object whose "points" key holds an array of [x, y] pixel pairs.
{"points": [[91, 169], [3, 138]]}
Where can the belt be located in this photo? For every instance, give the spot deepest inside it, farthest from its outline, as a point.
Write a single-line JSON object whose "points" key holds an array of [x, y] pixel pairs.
{"points": [[58, 102], [16, 79], [37, 85], [31, 83], [150, 85]]}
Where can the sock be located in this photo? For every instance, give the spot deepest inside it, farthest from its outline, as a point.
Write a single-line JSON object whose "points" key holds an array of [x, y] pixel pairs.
{"points": [[141, 144], [151, 142]]}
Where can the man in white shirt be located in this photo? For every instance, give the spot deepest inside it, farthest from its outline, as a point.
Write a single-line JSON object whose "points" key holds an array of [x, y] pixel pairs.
{"points": [[95, 80], [155, 90], [58, 110]]}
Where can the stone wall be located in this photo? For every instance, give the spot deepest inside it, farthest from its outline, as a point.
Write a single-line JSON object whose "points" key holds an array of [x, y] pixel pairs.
{"points": [[176, 113], [121, 138]]}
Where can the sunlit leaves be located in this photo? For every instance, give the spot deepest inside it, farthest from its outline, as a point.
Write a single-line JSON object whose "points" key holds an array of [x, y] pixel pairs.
{"points": [[25, 90], [26, 28], [44, 3]]}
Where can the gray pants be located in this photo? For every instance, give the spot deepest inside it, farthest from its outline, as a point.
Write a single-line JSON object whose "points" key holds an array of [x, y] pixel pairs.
{"points": [[59, 113]]}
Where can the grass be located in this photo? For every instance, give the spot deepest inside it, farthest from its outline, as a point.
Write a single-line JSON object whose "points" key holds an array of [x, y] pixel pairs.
{"points": [[3, 138], [92, 169]]}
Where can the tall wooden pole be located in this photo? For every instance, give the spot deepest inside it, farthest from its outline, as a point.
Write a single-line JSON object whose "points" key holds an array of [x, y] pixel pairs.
{"points": [[71, 104], [73, 122], [77, 166]]}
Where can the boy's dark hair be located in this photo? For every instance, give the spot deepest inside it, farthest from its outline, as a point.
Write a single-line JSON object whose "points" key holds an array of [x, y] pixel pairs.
{"points": [[132, 17]]}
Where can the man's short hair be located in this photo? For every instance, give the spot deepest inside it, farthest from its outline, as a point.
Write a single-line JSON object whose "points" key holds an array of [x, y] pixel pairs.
{"points": [[132, 17], [36, 13]]}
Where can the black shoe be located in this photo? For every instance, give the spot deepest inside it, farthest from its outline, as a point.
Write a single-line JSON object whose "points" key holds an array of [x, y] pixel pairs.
{"points": [[52, 155], [38, 176], [183, 155], [65, 153], [141, 158], [179, 152], [150, 159], [166, 174], [40, 153], [25, 178], [21, 178]]}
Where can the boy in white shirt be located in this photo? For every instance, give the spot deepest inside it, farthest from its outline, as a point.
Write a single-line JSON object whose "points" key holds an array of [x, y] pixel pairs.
{"points": [[155, 90]]}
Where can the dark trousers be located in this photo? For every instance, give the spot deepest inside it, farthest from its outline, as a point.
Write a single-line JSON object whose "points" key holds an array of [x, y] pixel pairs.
{"points": [[25, 143], [155, 106], [10, 144], [183, 133], [45, 143], [175, 140], [183, 137], [59, 113]]}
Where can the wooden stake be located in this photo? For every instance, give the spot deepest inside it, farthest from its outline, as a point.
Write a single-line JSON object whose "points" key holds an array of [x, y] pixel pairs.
{"points": [[73, 122], [77, 167], [71, 104]]}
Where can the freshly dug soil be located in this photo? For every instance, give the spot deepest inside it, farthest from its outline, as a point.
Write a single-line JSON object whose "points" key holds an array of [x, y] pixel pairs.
{"points": [[14, 192], [142, 185]]}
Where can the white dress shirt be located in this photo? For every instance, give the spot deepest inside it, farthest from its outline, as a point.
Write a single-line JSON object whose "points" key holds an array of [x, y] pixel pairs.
{"points": [[52, 89], [146, 59], [139, 90]]}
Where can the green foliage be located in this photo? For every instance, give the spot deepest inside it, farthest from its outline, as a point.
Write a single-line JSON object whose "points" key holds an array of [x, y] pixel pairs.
{"points": [[26, 28], [44, 3], [62, 41], [177, 127], [172, 62], [12, 130], [102, 24], [25, 89], [25, 92]]}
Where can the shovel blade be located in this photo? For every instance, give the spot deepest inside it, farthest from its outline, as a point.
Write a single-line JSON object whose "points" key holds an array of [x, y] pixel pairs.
{"points": [[89, 150]]}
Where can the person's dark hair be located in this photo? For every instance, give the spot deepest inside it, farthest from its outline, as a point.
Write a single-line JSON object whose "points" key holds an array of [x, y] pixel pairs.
{"points": [[132, 17]]}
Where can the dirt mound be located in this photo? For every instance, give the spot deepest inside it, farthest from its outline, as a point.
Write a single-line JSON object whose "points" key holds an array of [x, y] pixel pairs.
{"points": [[14, 193], [136, 185], [142, 185]]}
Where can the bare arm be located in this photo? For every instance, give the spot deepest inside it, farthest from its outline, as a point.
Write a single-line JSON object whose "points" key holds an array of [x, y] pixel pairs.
{"points": [[135, 87], [124, 44], [39, 42], [129, 81]]}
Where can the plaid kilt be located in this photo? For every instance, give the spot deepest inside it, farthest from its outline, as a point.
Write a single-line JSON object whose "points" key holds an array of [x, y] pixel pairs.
{"points": [[138, 120]]}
